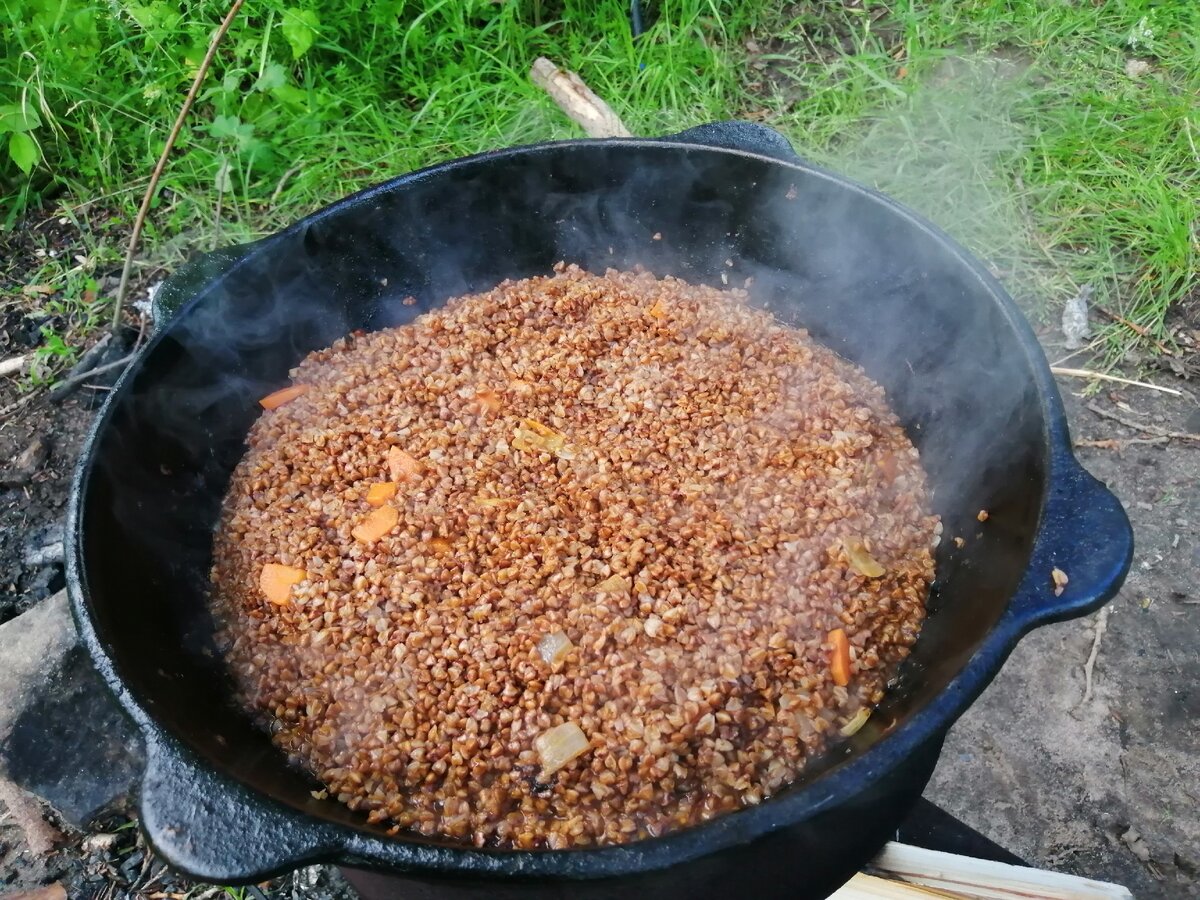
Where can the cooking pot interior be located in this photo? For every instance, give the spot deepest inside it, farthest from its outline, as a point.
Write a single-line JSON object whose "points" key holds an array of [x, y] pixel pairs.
{"points": [[866, 279]]}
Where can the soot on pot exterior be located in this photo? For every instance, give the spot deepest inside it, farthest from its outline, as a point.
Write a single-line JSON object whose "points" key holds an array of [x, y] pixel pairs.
{"points": [[866, 276]]}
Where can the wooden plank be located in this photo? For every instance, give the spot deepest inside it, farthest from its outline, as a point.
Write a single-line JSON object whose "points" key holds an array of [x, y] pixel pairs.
{"points": [[981, 879]]}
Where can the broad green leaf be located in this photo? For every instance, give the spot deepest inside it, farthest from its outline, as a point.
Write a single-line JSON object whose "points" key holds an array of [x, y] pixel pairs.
{"points": [[300, 29], [232, 127], [290, 94], [18, 118], [273, 76], [23, 150], [224, 126]]}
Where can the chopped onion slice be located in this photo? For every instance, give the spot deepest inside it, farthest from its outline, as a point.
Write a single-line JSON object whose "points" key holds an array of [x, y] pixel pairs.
{"points": [[554, 646], [1060, 579], [533, 435], [860, 560], [559, 746], [855, 722], [614, 584]]}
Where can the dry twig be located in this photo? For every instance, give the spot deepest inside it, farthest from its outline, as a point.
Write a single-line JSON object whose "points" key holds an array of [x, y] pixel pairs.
{"points": [[1136, 329], [1102, 376], [1144, 427], [63, 387], [138, 222], [1119, 444], [1090, 665], [577, 100], [13, 365]]}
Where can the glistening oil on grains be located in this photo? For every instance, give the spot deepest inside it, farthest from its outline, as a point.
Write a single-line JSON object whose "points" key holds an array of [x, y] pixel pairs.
{"points": [[575, 561]]}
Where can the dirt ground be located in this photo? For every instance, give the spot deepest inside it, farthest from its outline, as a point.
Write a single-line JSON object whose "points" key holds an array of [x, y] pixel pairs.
{"points": [[1105, 786], [1110, 787]]}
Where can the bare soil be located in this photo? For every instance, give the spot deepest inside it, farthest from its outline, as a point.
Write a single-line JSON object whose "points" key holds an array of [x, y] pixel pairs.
{"points": [[1106, 787]]}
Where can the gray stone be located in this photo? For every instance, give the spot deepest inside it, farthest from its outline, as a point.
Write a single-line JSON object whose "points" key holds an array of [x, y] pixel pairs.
{"points": [[62, 736], [320, 883]]}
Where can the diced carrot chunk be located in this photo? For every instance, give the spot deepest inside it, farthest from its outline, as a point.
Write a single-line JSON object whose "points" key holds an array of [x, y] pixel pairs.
{"points": [[381, 492], [658, 311], [402, 466], [440, 545], [278, 580], [488, 401], [839, 660], [284, 395], [378, 523], [887, 465]]}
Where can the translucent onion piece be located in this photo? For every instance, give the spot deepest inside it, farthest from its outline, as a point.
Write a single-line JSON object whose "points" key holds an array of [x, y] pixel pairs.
{"points": [[495, 502], [1060, 579], [856, 722], [860, 560], [533, 435], [560, 745], [554, 646], [614, 584]]}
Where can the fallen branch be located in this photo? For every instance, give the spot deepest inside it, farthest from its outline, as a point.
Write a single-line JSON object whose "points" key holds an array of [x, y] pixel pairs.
{"points": [[577, 100], [64, 387], [1102, 376], [1145, 428], [13, 365], [1136, 329], [1119, 444], [140, 221], [1101, 627]]}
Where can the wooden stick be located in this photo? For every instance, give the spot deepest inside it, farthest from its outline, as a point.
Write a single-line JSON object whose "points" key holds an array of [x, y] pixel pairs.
{"points": [[1144, 427], [577, 100], [162, 160], [13, 365], [1101, 376]]}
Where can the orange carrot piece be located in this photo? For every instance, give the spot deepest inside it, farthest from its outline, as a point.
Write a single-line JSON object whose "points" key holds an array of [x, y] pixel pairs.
{"points": [[283, 395], [277, 582], [376, 525], [440, 545], [381, 492], [488, 401], [403, 466], [887, 465], [658, 311], [839, 661]]}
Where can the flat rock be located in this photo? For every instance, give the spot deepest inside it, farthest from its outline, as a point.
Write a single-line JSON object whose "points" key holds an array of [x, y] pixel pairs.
{"points": [[62, 736]]}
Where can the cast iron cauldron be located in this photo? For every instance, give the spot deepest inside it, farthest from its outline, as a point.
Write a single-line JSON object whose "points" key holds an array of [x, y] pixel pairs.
{"points": [[727, 202]]}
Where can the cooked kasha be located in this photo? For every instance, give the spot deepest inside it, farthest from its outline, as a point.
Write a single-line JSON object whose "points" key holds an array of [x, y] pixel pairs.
{"points": [[578, 560]]}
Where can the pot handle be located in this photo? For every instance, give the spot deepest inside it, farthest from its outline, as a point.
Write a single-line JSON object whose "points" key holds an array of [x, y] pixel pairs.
{"points": [[1084, 533], [212, 828], [745, 136]]}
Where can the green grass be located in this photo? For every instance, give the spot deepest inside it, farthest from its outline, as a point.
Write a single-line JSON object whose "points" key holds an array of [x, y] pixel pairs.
{"points": [[1012, 123], [1016, 126]]}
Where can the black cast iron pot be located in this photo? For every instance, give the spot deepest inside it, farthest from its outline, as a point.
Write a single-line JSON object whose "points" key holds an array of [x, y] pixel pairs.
{"points": [[716, 204]]}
